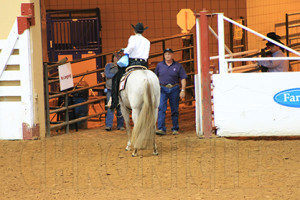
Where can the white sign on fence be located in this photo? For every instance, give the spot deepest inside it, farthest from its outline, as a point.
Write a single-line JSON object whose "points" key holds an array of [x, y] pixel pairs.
{"points": [[238, 31], [65, 76]]}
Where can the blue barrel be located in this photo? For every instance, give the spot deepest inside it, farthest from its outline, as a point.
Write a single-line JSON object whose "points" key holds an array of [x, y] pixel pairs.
{"points": [[81, 111]]}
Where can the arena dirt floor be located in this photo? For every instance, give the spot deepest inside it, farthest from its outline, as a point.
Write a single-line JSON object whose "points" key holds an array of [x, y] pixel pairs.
{"points": [[92, 164]]}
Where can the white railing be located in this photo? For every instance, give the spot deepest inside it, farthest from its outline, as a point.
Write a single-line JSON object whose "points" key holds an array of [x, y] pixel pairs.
{"points": [[236, 54], [9, 47], [198, 91], [16, 100], [224, 61]]}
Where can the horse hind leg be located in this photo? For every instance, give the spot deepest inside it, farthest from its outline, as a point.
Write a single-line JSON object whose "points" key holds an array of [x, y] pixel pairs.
{"points": [[155, 152], [128, 136], [135, 114], [128, 130]]}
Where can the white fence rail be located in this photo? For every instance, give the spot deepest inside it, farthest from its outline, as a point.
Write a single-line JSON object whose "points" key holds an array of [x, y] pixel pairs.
{"points": [[16, 101], [223, 61], [254, 104]]}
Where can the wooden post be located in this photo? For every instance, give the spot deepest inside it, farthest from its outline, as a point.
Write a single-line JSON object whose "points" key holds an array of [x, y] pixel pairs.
{"points": [[205, 76]]}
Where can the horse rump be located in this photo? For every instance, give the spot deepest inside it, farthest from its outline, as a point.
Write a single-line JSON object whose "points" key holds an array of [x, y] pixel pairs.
{"points": [[143, 133]]}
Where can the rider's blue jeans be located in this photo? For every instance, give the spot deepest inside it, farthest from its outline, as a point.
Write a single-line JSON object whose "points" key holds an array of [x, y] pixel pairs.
{"points": [[110, 114], [173, 95]]}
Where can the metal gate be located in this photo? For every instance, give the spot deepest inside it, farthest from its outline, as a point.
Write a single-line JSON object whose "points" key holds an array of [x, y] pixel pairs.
{"points": [[74, 32], [54, 107]]}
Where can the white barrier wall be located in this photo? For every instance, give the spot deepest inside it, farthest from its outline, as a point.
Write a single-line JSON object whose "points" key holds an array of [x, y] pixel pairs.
{"points": [[257, 104], [16, 101]]}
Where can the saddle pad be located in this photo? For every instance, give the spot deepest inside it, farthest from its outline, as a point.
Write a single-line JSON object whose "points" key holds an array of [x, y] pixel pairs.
{"points": [[126, 75], [124, 80]]}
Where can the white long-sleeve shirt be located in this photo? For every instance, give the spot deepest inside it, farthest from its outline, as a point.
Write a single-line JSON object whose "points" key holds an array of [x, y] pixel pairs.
{"points": [[276, 65], [138, 47]]}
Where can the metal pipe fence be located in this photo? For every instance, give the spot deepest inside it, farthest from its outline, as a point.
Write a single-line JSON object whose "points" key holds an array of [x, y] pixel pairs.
{"points": [[63, 106]]}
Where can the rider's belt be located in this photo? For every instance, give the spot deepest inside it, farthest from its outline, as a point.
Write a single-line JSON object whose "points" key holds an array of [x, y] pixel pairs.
{"points": [[137, 59], [170, 85]]}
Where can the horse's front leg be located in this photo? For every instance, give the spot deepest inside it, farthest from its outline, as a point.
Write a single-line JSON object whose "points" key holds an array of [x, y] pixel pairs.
{"points": [[155, 152], [134, 153]]}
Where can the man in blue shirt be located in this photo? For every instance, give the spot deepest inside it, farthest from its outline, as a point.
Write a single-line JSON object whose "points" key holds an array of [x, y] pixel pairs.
{"points": [[170, 74]]}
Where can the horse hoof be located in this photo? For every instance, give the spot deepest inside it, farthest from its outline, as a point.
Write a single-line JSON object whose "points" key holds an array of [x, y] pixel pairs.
{"points": [[127, 149], [155, 153], [134, 153]]}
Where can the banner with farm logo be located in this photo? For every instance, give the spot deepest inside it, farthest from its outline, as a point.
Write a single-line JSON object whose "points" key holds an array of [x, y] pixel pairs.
{"points": [[290, 97], [65, 76], [257, 104]]}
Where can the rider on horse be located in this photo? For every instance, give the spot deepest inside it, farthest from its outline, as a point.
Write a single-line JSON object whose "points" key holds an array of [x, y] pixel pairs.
{"points": [[137, 50]]}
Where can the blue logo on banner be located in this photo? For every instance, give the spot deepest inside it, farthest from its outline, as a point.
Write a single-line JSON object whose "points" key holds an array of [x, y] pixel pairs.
{"points": [[290, 97]]}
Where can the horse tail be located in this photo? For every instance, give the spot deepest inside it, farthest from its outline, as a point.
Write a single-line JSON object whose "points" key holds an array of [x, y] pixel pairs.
{"points": [[143, 132]]}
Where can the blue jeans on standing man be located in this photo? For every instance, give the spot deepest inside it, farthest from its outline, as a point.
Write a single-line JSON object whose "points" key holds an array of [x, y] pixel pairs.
{"points": [[173, 95], [110, 114]]}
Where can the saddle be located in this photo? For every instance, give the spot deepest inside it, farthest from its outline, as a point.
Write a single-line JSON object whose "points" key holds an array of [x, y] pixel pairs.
{"points": [[128, 71]]}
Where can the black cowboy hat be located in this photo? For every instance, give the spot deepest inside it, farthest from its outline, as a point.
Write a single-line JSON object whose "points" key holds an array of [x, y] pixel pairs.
{"points": [[139, 27], [115, 54], [273, 36]]}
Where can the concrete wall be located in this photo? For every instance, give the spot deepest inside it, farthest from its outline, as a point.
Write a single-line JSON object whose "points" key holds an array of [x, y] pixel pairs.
{"points": [[158, 15], [268, 16], [8, 16]]}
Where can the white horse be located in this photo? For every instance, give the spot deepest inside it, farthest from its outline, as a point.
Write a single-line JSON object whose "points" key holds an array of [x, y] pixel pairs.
{"points": [[141, 96]]}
